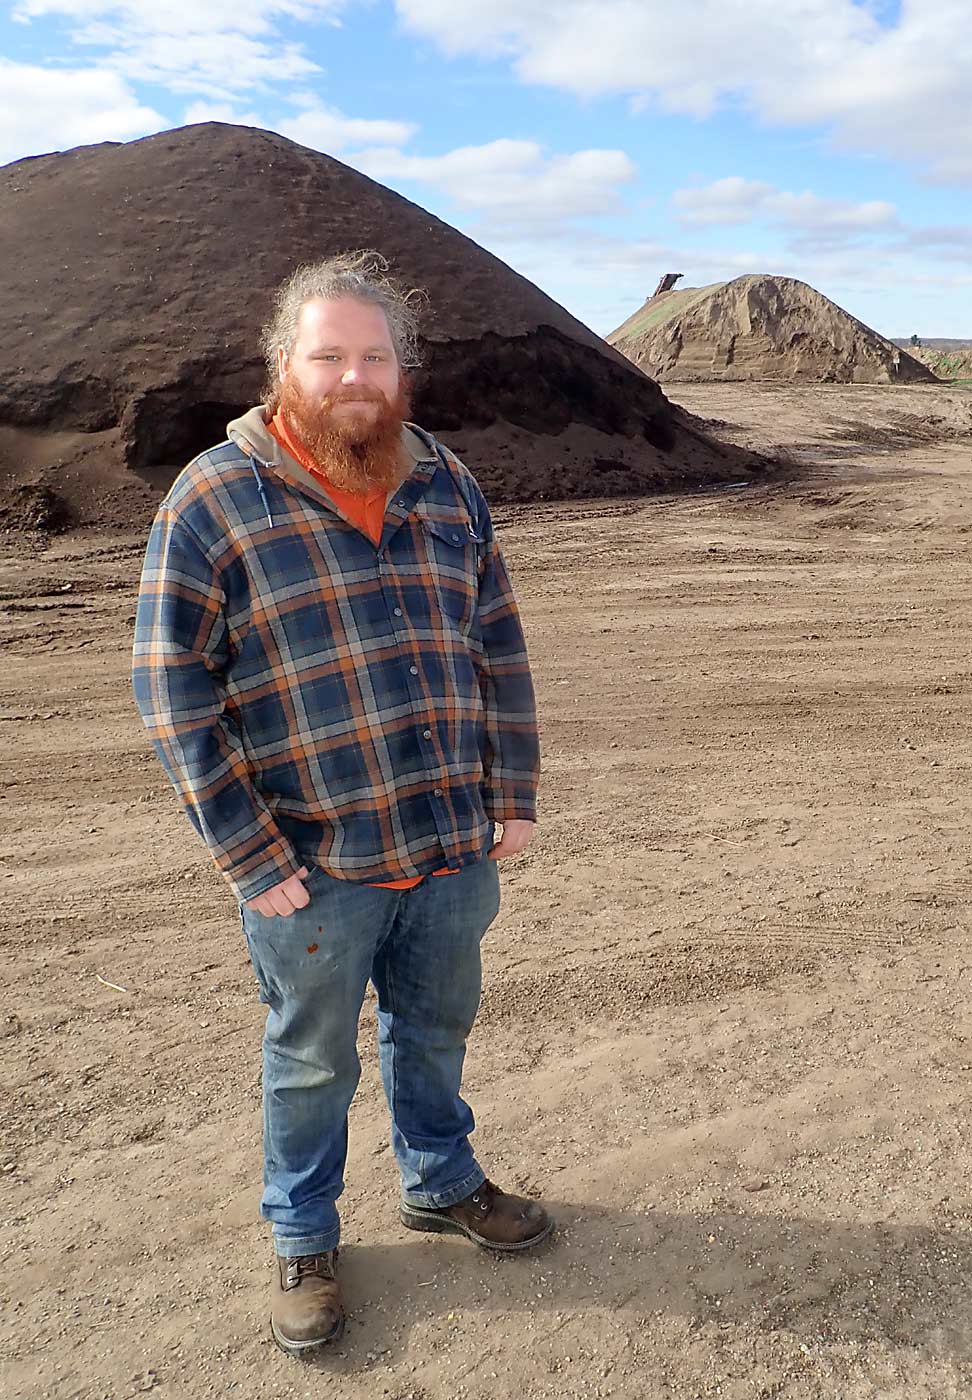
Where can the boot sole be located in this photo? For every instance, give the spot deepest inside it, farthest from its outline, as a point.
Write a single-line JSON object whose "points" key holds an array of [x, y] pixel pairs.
{"points": [[299, 1349], [414, 1219]]}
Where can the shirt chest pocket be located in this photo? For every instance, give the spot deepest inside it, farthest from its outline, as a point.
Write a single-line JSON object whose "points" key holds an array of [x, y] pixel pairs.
{"points": [[451, 553]]}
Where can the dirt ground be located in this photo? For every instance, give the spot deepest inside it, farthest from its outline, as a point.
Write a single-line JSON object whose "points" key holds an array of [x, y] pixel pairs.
{"points": [[724, 1031]]}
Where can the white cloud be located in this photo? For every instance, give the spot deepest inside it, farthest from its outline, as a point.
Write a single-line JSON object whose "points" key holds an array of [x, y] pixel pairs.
{"points": [[213, 64], [689, 56], [938, 244], [47, 109], [897, 88], [224, 50], [734, 200], [216, 47], [325, 129], [179, 16], [841, 216], [513, 182]]}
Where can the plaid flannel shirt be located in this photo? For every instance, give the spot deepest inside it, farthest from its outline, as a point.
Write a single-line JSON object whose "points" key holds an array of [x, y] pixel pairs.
{"points": [[315, 700]]}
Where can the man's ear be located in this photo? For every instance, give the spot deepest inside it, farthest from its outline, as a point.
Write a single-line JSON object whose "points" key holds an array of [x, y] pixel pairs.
{"points": [[283, 360]]}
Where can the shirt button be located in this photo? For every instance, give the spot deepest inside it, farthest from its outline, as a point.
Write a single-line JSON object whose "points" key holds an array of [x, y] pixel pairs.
{"points": [[427, 734], [438, 793], [398, 612], [413, 670], [457, 538]]}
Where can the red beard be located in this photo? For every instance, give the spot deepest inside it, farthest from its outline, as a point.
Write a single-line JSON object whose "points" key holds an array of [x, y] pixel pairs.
{"points": [[355, 452]]}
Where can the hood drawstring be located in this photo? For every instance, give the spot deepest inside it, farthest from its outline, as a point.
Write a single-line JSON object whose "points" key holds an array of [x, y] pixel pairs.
{"points": [[263, 494]]}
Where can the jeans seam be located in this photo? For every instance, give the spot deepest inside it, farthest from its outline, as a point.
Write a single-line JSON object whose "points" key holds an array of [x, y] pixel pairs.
{"points": [[270, 1160], [390, 983]]}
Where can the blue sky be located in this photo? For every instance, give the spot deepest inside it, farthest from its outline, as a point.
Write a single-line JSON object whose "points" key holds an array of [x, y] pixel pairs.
{"points": [[592, 144]]}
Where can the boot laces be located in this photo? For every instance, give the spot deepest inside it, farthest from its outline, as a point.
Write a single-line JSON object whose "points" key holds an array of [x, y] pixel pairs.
{"points": [[484, 1196], [309, 1266]]}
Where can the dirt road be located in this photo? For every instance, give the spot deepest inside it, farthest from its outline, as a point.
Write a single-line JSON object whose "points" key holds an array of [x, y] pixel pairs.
{"points": [[725, 1025]]}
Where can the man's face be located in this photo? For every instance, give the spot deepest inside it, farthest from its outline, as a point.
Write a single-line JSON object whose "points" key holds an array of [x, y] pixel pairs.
{"points": [[343, 355], [343, 395]]}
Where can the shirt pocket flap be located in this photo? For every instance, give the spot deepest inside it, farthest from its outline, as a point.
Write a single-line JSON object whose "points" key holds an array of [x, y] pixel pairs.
{"points": [[457, 533]]}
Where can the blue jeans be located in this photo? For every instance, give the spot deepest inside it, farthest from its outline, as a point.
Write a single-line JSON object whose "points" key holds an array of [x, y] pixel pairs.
{"points": [[420, 947]]}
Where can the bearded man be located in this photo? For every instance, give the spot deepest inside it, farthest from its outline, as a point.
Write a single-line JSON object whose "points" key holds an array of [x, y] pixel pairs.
{"points": [[329, 661]]}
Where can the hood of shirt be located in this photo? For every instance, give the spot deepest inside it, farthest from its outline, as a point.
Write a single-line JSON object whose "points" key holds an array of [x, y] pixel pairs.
{"points": [[252, 435]]}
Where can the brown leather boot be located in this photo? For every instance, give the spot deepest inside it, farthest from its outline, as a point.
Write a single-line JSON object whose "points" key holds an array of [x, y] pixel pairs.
{"points": [[305, 1310], [489, 1217]]}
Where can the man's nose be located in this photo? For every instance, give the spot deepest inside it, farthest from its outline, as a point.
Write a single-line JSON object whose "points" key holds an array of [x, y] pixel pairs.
{"points": [[353, 374]]}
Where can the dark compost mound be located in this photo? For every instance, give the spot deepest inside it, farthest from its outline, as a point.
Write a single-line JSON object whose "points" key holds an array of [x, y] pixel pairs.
{"points": [[137, 277]]}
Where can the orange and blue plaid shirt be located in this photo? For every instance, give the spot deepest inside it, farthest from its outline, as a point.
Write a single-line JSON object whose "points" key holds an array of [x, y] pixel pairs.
{"points": [[317, 700]]}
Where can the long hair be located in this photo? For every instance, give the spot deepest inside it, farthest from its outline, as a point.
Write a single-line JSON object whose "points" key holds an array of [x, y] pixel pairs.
{"points": [[363, 275]]}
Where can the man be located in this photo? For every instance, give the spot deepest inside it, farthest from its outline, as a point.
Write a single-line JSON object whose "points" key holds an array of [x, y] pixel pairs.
{"points": [[329, 661]]}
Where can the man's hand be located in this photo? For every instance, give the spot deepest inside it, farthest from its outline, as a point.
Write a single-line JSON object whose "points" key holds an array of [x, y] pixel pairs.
{"points": [[516, 837], [282, 899]]}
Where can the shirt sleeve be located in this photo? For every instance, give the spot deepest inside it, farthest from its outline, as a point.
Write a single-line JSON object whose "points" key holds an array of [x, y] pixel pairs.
{"points": [[180, 652], [513, 745]]}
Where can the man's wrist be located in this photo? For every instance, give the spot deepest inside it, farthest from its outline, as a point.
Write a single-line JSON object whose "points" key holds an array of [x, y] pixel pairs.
{"points": [[250, 887]]}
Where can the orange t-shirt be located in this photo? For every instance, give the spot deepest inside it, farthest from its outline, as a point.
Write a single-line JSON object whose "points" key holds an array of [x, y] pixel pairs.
{"points": [[367, 513]]}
